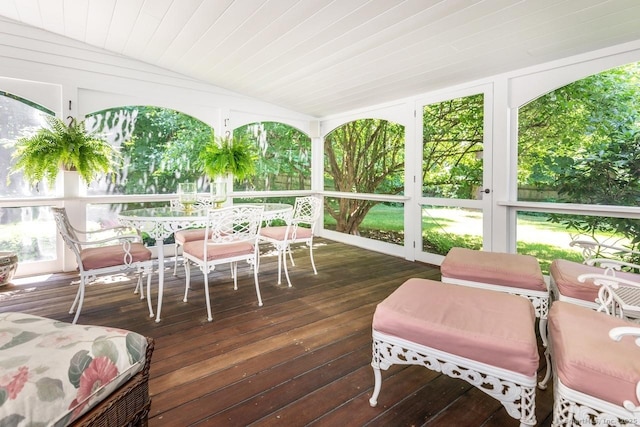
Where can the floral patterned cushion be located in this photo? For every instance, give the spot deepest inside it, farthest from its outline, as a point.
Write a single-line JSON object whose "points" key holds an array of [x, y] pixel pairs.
{"points": [[52, 372]]}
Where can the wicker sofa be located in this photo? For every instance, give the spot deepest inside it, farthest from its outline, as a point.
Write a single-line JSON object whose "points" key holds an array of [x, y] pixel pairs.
{"points": [[57, 374], [127, 406]]}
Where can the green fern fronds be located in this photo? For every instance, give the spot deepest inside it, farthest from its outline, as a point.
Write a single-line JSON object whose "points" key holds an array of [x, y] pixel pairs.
{"points": [[61, 146], [222, 156]]}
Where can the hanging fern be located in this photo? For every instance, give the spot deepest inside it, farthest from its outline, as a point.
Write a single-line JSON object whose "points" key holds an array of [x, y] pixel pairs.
{"points": [[222, 156], [62, 146]]}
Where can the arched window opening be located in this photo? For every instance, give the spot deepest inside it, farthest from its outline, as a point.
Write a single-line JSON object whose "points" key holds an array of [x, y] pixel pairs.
{"points": [[365, 156], [159, 148], [581, 144], [284, 161]]}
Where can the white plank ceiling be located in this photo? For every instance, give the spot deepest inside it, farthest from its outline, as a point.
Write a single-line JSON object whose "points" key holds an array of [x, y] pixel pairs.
{"points": [[323, 57]]}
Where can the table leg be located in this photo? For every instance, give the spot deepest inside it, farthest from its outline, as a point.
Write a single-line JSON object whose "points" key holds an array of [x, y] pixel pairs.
{"points": [[160, 246]]}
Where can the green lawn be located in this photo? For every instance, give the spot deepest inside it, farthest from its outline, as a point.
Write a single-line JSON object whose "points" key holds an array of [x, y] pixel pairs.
{"points": [[443, 228]]}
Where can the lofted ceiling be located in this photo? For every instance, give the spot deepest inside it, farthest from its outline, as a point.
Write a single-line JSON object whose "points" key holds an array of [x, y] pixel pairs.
{"points": [[323, 57]]}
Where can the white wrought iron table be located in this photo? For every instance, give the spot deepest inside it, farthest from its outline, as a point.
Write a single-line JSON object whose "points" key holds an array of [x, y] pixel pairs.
{"points": [[160, 223]]}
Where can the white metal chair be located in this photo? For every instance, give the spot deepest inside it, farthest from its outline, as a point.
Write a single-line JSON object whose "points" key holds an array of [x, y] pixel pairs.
{"points": [[300, 228], [110, 255], [599, 259], [617, 296], [231, 235], [180, 237], [595, 250]]}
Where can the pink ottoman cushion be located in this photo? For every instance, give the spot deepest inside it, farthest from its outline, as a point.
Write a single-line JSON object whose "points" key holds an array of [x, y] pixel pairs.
{"points": [[489, 327], [587, 360], [565, 275], [515, 270]]}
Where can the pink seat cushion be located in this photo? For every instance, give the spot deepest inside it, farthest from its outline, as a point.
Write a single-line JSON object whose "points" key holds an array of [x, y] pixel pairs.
{"points": [[587, 360], [108, 256], [565, 276], [196, 249], [189, 235], [278, 232], [490, 327], [515, 270]]}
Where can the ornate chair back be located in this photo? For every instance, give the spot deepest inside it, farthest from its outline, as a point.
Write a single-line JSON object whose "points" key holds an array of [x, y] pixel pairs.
{"points": [[231, 235], [105, 255]]}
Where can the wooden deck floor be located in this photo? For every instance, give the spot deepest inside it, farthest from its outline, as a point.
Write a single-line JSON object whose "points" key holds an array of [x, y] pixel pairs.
{"points": [[301, 359]]}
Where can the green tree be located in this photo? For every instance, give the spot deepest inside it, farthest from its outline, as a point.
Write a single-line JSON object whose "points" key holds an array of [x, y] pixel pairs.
{"points": [[582, 140], [608, 176], [363, 156], [159, 146], [575, 121], [452, 148], [284, 161]]}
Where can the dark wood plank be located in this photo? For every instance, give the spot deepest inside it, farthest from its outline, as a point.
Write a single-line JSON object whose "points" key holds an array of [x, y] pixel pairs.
{"points": [[301, 359]]}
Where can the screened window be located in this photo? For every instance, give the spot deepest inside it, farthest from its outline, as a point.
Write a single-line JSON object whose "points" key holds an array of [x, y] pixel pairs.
{"points": [[365, 156], [581, 144], [159, 148], [27, 231], [18, 118], [452, 148], [284, 157]]}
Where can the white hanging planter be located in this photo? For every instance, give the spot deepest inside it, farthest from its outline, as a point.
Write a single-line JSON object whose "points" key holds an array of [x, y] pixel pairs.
{"points": [[73, 185]]}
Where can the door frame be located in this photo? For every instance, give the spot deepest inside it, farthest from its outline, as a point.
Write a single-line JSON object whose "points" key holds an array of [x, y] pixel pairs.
{"points": [[485, 203]]}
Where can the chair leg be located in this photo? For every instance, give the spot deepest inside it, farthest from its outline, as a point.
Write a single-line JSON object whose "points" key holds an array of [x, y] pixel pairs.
{"points": [[293, 264], [150, 270], [206, 295], [257, 263], [281, 259], [313, 263], [175, 260], [187, 273], [284, 263], [75, 301], [255, 279], [139, 287], [80, 299], [234, 274]]}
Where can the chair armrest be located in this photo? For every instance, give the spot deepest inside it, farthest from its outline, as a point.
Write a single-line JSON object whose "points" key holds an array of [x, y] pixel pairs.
{"points": [[118, 230], [607, 280], [130, 238], [593, 249], [611, 265], [610, 302], [616, 334]]}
